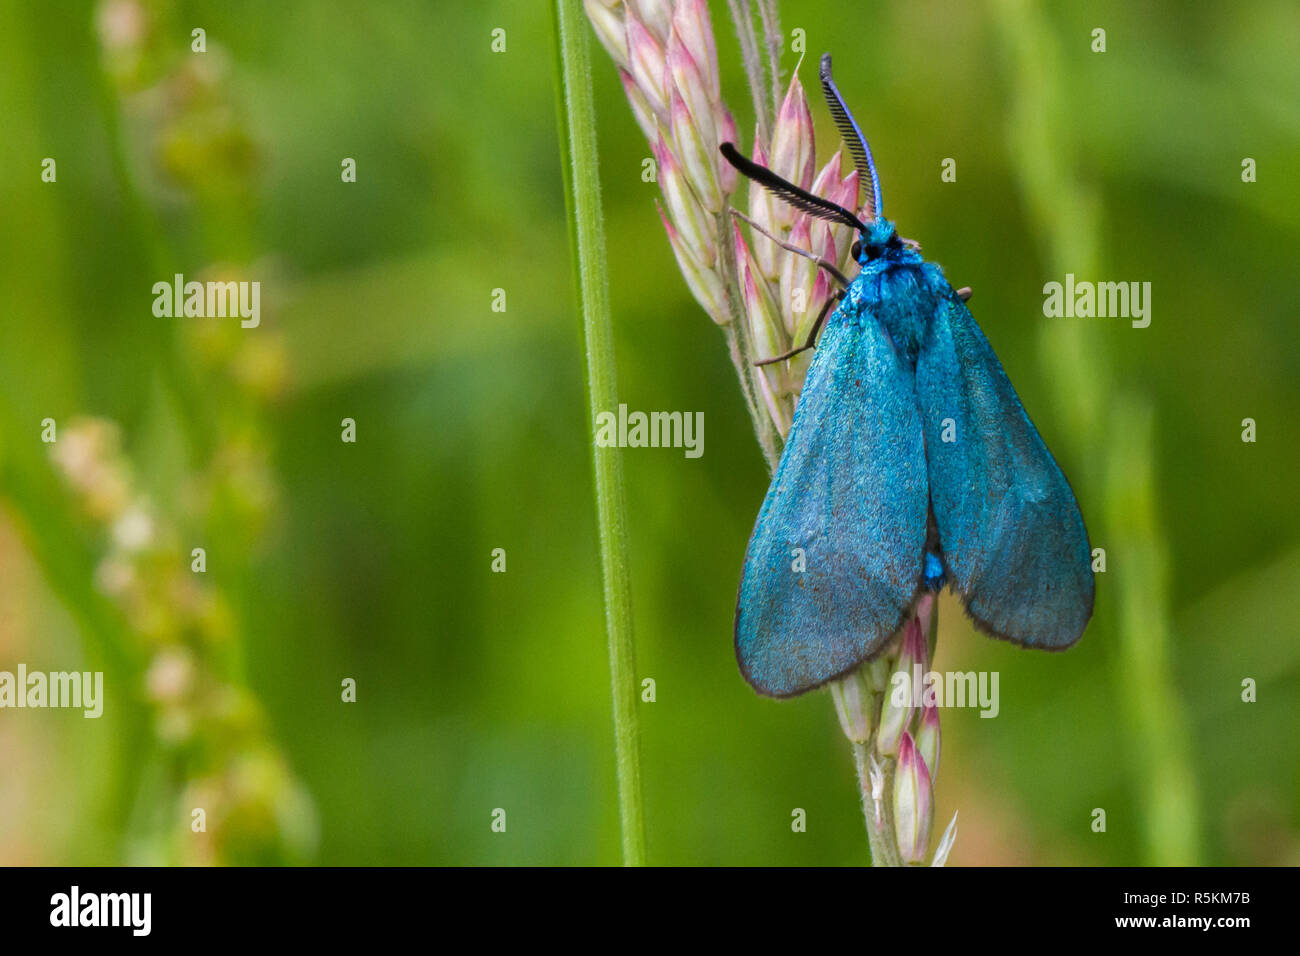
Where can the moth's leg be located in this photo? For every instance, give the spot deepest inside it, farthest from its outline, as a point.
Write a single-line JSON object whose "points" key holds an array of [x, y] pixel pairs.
{"points": [[812, 334], [964, 293], [789, 247]]}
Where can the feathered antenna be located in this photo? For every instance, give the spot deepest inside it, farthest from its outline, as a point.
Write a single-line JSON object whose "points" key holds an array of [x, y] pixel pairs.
{"points": [[853, 137], [799, 198]]}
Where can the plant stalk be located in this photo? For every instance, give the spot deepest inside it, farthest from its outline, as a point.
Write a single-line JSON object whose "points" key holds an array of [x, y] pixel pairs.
{"points": [[742, 16], [880, 826], [577, 133], [742, 354]]}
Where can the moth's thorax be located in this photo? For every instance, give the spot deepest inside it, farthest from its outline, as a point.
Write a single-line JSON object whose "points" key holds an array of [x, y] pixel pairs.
{"points": [[900, 291]]}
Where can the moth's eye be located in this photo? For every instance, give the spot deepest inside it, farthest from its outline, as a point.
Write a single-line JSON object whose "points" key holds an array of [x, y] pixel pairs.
{"points": [[857, 248]]}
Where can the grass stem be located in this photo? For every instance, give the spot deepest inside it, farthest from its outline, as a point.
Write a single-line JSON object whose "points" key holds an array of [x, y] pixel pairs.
{"points": [[577, 132]]}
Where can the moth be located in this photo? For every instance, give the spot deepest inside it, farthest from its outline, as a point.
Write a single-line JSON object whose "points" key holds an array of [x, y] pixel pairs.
{"points": [[911, 465]]}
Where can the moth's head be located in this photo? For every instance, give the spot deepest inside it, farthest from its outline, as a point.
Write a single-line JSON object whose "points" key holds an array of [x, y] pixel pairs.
{"points": [[880, 239]]}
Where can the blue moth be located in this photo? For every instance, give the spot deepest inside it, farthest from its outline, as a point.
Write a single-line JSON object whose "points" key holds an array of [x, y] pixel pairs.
{"points": [[910, 465]]}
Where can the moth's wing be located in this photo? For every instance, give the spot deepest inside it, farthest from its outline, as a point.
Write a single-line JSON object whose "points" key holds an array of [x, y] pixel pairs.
{"points": [[1012, 538], [850, 492]]}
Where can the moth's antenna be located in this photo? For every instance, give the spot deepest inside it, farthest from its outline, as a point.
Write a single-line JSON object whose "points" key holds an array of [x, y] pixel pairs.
{"points": [[853, 137], [799, 198]]}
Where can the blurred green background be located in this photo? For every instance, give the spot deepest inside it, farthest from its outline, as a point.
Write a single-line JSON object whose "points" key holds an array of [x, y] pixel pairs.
{"points": [[372, 561]]}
